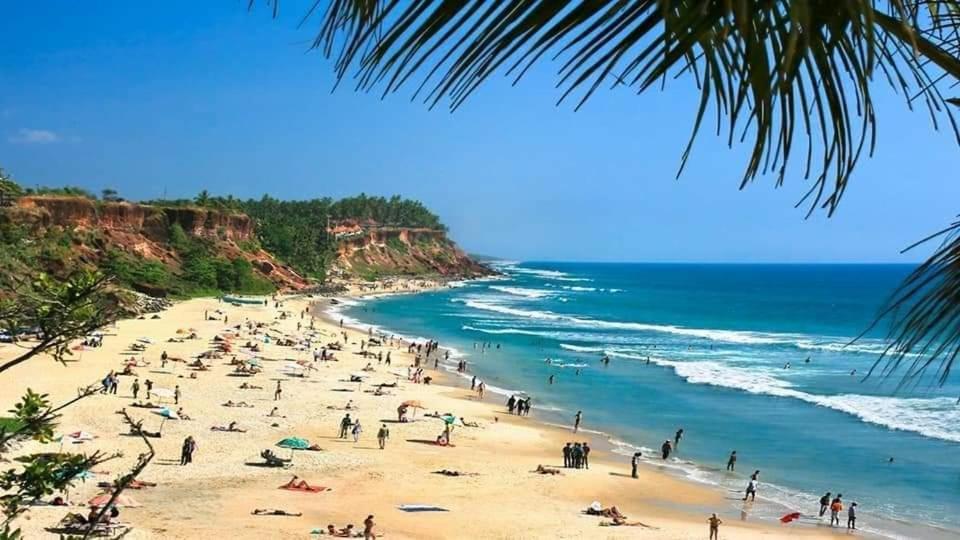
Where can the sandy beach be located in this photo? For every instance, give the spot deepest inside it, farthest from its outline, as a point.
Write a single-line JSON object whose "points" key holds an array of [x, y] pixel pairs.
{"points": [[498, 496]]}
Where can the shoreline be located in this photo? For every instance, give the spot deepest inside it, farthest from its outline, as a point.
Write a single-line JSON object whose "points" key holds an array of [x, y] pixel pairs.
{"points": [[218, 491], [603, 444], [686, 471]]}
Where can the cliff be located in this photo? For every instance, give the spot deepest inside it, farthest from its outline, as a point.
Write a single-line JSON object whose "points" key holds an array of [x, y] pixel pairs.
{"points": [[95, 229], [185, 250], [369, 250]]}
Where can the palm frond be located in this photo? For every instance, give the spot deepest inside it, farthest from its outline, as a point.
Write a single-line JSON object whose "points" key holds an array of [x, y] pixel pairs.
{"points": [[784, 76], [924, 314]]}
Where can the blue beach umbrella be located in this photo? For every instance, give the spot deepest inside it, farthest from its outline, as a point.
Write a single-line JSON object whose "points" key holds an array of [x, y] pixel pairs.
{"points": [[294, 443]]}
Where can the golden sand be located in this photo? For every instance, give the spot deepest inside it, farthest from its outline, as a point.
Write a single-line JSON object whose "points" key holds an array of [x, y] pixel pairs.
{"points": [[215, 495]]}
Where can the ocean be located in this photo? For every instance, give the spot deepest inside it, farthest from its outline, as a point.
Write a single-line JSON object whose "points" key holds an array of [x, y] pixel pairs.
{"points": [[752, 358]]}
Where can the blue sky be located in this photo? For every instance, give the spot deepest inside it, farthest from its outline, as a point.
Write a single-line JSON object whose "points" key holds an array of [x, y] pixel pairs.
{"points": [[170, 98]]}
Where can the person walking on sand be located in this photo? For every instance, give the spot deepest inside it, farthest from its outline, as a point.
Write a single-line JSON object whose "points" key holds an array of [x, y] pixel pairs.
{"points": [[345, 424], [277, 393], [732, 461], [586, 455], [382, 436], [357, 430], [368, 525], [135, 387], [714, 522], [634, 463], [576, 421], [176, 395], [187, 450], [824, 503], [852, 517], [149, 385], [568, 455], [480, 388]]}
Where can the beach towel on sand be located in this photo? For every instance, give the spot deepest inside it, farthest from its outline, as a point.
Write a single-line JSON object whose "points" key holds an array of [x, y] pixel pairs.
{"points": [[421, 508]]}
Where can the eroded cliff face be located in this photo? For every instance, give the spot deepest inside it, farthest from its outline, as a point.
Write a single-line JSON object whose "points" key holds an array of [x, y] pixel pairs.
{"points": [[144, 230], [371, 251], [151, 221], [363, 249]]}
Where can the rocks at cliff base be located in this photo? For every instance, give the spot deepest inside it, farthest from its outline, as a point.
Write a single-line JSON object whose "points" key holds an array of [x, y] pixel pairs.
{"points": [[140, 303]]}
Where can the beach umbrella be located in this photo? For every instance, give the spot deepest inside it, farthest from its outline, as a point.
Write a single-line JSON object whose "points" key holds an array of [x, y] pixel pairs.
{"points": [[449, 419], [145, 340], [412, 403], [167, 414], [294, 443], [122, 500]]}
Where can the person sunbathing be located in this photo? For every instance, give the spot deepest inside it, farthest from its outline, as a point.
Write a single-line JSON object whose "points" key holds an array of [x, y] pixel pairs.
{"points": [[232, 427], [147, 405], [546, 470], [612, 513], [275, 413], [248, 386], [274, 512], [182, 415], [468, 424], [230, 403], [137, 429], [297, 483]]}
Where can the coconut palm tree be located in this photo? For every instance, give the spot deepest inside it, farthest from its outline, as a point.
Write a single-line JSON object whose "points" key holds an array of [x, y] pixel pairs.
{"points": [[792, 79]]}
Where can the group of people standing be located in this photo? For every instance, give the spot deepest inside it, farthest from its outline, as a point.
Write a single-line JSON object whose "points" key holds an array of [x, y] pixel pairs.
{"points": [[520, 405], [576, 455], [835, 506]]}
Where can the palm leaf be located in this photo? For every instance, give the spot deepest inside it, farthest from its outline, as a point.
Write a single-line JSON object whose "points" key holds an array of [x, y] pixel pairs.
{"points": [[785, 77], [924, 313]]}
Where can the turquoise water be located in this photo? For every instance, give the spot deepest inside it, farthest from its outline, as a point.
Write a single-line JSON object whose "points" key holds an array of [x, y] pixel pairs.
{"points": [[717, 338]]}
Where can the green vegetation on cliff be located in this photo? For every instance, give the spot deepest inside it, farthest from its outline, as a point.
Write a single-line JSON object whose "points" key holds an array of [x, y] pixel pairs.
{"points": [[207, 245], [296, 231]]}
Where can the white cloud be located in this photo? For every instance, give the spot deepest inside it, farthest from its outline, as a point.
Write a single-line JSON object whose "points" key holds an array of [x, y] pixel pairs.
{"points": [[34, 136]]}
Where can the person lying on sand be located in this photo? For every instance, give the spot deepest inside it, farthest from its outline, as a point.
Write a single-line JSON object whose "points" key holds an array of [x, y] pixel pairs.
{"points": [[230, 403], [275, 512], [617, 522], [612, 513], [137, 429], [147, 405], [297, 483], [468, 424], [182, 415], [232, 427], [248, 386], [275, 413], [546, 470]]}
